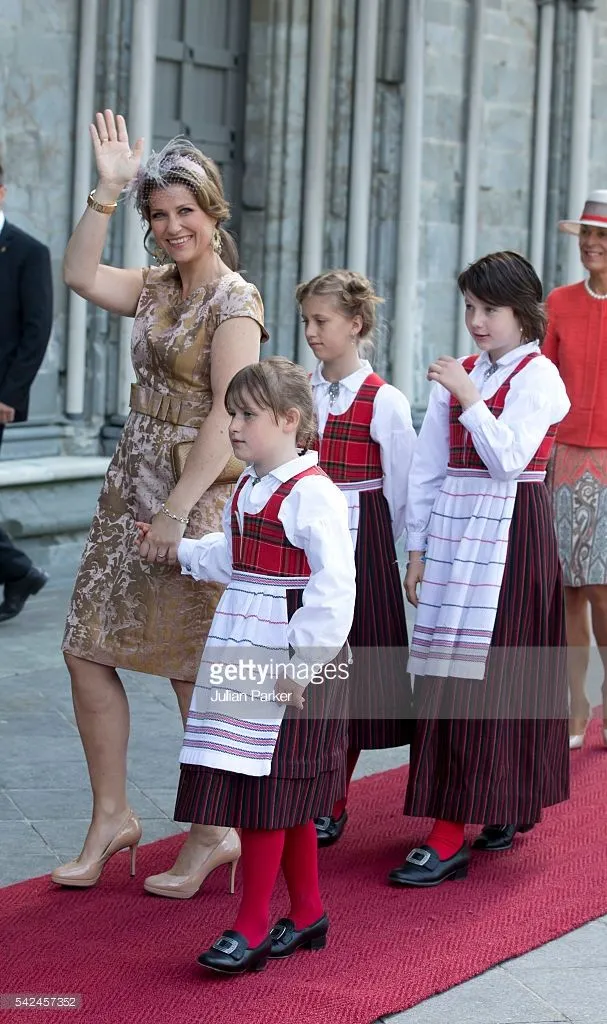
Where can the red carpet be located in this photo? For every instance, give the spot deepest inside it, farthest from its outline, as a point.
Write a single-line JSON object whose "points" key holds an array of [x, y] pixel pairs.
{"points": [[132, 956]]}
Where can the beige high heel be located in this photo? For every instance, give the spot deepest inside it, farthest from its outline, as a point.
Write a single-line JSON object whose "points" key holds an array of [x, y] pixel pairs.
{"points": [[576, 740], [183, 887], [84, 874]]}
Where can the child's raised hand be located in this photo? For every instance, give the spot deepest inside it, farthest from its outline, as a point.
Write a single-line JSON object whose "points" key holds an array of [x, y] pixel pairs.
{"points": [[454, 377], [142, 531]]}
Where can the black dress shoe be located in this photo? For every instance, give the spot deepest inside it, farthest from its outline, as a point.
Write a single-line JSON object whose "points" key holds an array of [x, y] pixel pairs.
{"points": [[423, 868], [494, 838], [231, 954], [286, 939], [17, 592], [329, 830]]}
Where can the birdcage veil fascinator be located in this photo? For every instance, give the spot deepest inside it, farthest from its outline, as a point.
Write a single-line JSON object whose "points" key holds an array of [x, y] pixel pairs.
{"points": [[177, 162], [181, 163]]}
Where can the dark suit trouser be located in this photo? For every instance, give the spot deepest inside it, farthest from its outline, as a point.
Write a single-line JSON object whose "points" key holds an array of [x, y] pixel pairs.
{"points": [[13, 563]]}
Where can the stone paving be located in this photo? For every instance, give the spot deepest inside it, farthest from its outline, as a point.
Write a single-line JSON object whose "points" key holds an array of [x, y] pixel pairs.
{"points": [[45, 804]]}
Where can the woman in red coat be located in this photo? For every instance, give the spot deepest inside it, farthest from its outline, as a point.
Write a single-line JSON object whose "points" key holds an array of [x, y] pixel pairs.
{"points": [[577, 343]]}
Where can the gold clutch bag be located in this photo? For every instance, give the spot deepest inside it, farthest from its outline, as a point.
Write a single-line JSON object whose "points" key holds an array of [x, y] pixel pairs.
{"points": [[228, 475]]}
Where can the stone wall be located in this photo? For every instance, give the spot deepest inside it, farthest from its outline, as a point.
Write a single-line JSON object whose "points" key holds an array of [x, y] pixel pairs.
{"points": [[38, 52], [38, 56], [274, 156]]}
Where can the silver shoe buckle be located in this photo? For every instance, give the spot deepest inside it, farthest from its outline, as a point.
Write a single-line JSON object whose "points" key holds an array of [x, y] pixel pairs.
{"points": [[225, 945], [277, 932], [418, 857]]}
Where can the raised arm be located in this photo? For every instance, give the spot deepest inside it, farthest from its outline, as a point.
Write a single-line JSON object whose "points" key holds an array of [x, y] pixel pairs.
{"points": [[114, 289], [536, 400]]}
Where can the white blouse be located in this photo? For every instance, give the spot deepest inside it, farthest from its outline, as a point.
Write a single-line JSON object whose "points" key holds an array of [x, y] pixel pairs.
{"points": [[391, 428], [315, 519], [536, 399]]}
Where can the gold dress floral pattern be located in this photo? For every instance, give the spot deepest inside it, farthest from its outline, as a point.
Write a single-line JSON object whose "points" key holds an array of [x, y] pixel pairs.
{"points": [[124, 612]]}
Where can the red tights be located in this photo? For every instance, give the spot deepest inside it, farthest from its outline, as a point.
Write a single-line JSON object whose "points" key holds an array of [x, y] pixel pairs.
{"points": [[264, 851], [340, 805], [446, 838]]}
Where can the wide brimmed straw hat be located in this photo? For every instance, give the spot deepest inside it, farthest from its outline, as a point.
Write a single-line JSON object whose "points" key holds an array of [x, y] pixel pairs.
{"points": [[594, 214]]}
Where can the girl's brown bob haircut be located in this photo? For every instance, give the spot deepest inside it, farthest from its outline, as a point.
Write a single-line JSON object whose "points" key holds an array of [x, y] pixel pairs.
{"points": [[508, 279], [276, 384]]}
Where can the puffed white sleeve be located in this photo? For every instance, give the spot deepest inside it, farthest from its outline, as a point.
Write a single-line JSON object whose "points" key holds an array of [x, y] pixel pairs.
{"points": [[209, 559], [315, 518], [536, 399], [428, 467], [392, 429]]}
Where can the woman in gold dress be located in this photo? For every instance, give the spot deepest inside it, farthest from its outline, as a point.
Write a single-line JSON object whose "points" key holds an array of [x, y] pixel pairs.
{"points": [[197, 322]]}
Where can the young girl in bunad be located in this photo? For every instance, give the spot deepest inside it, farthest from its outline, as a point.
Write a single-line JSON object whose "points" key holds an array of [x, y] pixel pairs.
{"points": [[488, 648], [366, 442], [286, 556]]}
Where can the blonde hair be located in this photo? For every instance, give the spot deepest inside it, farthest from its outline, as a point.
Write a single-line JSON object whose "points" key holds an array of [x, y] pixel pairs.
{"points": [[352, 291], [181, 163], [279, 385]]}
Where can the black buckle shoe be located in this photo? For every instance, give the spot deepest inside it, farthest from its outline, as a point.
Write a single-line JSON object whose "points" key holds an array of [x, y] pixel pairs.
{"points": [[286, 939], [329, 830], [495, 838], [17, 592], [423, 868], [231, 954]]}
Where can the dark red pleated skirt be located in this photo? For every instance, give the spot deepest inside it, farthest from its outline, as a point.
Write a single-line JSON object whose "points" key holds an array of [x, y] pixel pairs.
{"points": [[379, 688], [307, 776], [496, 750]]}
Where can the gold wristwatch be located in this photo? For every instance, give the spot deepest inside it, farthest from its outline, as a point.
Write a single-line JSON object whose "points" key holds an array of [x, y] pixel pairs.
{"points": [[108, 208]]}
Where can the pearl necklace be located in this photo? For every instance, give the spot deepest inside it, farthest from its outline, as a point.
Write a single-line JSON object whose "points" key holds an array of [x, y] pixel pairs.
{"points": [[595, 295]]}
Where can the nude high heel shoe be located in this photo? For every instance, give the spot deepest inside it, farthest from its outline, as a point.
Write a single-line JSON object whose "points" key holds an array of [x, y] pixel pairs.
{"points": [[576, 742], [84, 874], [183, 887]]}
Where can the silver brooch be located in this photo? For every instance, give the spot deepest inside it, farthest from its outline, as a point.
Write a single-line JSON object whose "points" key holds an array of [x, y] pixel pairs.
{"points": [[493, 368]]}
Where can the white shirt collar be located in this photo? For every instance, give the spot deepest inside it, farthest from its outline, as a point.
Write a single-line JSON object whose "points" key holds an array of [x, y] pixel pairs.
{"points": [[514, 356], [2, 219], [290, 468], [352, 382]]}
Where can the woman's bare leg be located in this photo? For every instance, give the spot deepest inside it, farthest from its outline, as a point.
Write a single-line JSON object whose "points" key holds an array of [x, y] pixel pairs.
{"points": [[102, 716], [597, 596], [578, 656], [201, 838]]}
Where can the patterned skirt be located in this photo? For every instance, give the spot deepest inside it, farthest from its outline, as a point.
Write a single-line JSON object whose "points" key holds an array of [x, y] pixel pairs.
{"points": [[579, 492], [125, 612], [496, 750], [379, 688]]}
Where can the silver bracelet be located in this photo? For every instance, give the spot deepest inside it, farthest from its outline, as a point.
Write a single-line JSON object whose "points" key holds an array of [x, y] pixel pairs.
{"points": [[178, 519]]}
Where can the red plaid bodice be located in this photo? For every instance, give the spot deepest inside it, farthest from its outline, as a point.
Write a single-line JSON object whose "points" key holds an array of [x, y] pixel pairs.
{"points": [[347, 452], [262, 546], [462, 453]]}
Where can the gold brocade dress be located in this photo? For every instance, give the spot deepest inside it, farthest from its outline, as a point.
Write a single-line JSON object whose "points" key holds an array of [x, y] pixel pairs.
{"points": [[125, 612]]}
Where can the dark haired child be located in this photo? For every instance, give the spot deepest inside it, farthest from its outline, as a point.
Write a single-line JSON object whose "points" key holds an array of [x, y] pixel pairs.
{"points": [[366, 442], [488, 648], [286, 558]]}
